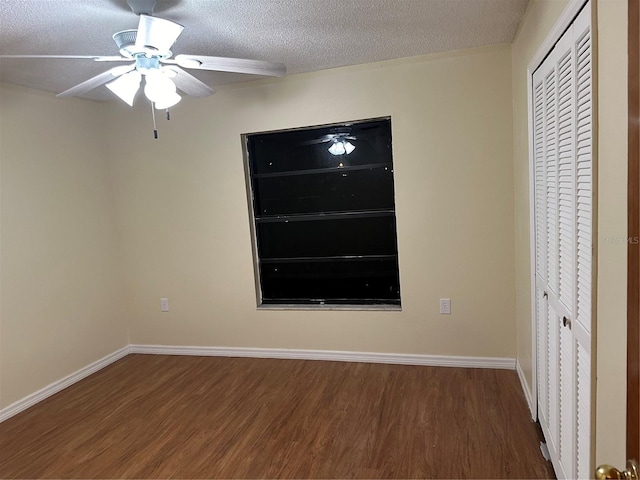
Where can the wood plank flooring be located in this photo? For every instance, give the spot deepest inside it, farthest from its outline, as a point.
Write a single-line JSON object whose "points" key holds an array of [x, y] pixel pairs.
{"points": [[154, 416]]}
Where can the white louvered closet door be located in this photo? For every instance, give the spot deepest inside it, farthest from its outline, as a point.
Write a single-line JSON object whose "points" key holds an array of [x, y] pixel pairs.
{"points": [[562, 157]]}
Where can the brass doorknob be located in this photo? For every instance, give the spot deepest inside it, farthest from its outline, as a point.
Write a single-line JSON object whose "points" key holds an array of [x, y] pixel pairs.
{"points": [[632, 472]]}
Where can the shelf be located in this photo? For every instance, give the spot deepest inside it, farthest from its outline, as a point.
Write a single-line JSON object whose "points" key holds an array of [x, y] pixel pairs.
{"points": [[330, 304], [306, 217], [316, 171], [328, 259]]}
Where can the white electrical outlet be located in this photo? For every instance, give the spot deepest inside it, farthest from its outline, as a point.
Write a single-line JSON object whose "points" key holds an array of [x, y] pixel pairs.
{"points": [[164, 304], [445, 306]]}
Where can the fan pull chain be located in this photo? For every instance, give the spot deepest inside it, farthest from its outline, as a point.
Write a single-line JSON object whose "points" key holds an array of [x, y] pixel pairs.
{"points": [[155, 128], [168, 115]]}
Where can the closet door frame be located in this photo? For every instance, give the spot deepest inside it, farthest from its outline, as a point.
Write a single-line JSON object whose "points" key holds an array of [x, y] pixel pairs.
{"points": [[563, 378]]}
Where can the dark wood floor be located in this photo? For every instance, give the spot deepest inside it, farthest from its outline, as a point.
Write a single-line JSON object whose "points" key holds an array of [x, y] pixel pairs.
{"points": [[149, 416]]}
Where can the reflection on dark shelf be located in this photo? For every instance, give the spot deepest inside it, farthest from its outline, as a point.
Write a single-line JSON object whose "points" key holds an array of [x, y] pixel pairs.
{"points": [[361, 236], [292, 150], [370, 189], [362, 280]]}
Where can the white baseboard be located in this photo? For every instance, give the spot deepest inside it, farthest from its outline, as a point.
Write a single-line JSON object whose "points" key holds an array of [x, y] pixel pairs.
{"points": [[525, 389], [331, 355], [61, 384]]}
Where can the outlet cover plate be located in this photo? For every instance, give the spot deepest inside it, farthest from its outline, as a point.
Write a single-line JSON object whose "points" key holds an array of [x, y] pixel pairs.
{"points": [[445, 306]]}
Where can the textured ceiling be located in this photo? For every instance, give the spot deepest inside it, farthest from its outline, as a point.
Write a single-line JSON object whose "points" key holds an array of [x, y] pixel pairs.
{"points": [[306, 35]]}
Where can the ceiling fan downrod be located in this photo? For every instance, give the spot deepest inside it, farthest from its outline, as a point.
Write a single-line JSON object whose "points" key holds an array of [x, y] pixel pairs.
{"points": [[144, 7]]}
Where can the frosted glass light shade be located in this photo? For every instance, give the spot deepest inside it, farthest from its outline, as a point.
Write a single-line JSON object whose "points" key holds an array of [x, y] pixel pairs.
{"points": [[168, 101], [161, 90], [126, 86], [349, 147], [337, 149], [157, 86]]}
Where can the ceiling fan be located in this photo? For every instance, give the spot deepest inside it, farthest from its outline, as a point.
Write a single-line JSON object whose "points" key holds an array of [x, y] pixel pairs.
{"points": [[147, 53], [340, 143]]}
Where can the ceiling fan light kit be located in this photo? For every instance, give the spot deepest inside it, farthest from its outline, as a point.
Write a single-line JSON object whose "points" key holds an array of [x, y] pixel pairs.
{"points": [[126, 86], [149, 47], [340, 147], [160, 90]]}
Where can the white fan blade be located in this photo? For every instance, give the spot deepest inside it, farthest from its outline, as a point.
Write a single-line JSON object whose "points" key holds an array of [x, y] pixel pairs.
{"points": [[111, 59], [315, 142], [96, 58], [235, 65], [96, 81], [190, 84], [157, 33]]}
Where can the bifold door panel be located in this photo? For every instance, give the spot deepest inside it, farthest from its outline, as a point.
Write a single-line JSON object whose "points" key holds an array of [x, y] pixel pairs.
{"points": [[563, 169]]}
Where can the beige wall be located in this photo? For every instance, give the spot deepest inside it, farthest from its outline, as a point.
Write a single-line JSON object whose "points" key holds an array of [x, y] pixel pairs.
{"points": [[61, 294], [184, 220], [611, 224]]}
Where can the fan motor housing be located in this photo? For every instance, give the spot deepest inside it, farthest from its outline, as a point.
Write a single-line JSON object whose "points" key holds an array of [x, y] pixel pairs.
{"points": [[125, 38], [126, 42]]}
